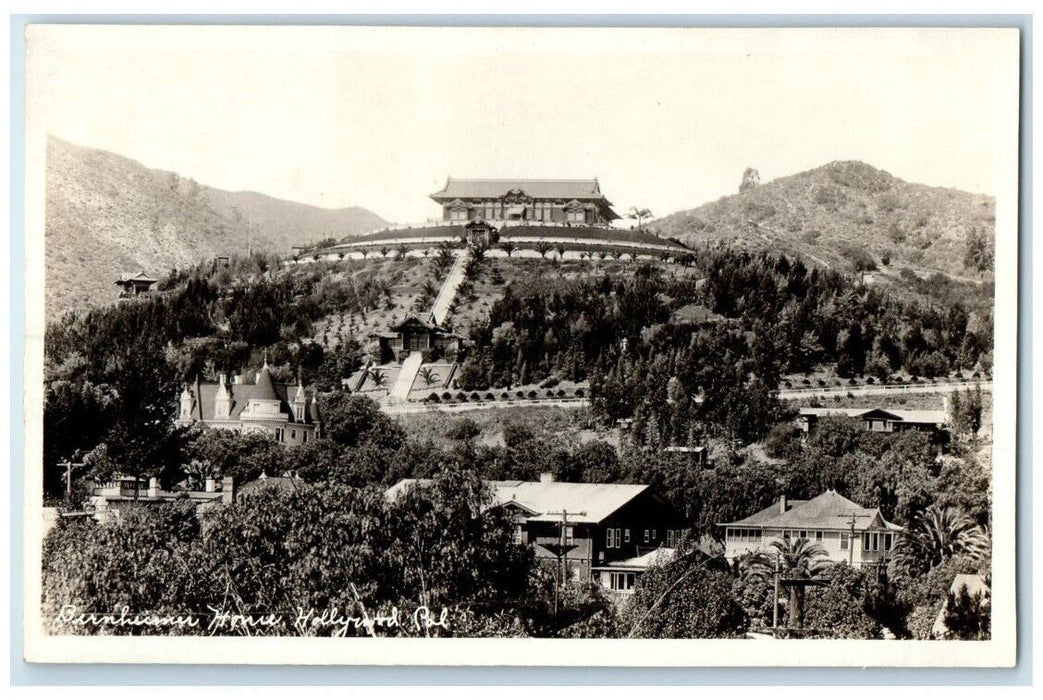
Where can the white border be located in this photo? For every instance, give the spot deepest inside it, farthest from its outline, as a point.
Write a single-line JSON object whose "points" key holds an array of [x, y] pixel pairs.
{"points": [[998, 652]]}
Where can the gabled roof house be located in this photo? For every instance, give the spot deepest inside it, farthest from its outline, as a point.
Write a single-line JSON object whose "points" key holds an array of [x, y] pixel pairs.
{"points": [[846, 531]]}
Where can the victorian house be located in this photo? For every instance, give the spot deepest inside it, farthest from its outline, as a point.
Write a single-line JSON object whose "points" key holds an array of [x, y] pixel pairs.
{"points": [[282, 411], [846, 531], [551, 201]]}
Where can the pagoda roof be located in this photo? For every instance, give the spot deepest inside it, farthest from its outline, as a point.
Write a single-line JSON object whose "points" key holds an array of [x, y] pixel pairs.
{"points": [[538, 189], [135, 277]]}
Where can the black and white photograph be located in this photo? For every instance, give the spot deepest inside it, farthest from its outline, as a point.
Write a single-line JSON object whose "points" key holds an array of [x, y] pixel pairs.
{"points": [[521, 345]]}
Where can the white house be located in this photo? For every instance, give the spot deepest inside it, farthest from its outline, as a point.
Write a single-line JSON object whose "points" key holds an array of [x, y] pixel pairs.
{"points": [[846, 531]]}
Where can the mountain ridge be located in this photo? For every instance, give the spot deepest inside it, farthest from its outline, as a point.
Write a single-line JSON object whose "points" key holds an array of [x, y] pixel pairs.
{"points": [[106, 214], [844, 215]]}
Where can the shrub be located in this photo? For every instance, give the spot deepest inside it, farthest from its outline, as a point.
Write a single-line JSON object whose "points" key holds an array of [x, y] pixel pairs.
{"points": [[433, 398], [560, 392], [870, 380], [461, 396], [549, 383], [805, 382], [520, 394], [579, 393], [532, 394], [505, 396], [489, 396], [475, 396], [463, 429], [447, 396]]}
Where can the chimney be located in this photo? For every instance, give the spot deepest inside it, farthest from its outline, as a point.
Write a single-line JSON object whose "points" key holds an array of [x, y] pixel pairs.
{"points": [[227, 490], [221, 378], [236, 379], [782, 504], [210, 486], [546, 477], [153, 487]]}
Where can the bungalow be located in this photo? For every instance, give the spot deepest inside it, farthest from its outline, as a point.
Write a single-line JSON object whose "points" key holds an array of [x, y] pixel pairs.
{"points": [[879, 420], [584, 527], [846, 531]]}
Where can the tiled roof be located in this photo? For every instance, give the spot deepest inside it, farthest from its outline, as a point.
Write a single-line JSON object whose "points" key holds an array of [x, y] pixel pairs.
{"points": [[134, 277], [827, 511], [539, 189], [549, 498]]}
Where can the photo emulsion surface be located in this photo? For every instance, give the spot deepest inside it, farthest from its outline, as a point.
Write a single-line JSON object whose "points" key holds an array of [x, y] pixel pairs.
{"points": [[521, 346]]}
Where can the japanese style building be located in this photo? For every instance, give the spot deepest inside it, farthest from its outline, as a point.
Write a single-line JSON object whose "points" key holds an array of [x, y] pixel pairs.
{"points": [[563, 201], [283, 412], [879, 420], [134, 283], [417, 332]]}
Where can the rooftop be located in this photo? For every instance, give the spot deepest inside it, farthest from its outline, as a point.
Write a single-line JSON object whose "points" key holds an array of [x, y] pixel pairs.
{"points": [[906, 416], [546, 499], [538, 189], [827, 511]]}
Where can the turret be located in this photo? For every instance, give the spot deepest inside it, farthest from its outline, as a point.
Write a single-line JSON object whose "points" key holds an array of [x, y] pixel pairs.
{"points": [[222, 399], [300, 401], [187, 403]]}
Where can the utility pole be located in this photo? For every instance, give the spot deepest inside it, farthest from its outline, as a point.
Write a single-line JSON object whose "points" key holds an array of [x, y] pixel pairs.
{"points": [[775, 600], [560, 551]]}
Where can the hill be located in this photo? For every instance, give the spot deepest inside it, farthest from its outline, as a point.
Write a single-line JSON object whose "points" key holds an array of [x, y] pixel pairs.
{"points": [[106, 214], [838, 214]]}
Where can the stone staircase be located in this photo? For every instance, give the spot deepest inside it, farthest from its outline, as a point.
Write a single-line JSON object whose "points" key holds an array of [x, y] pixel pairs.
{"points": [[440, 309], [407, 375]]}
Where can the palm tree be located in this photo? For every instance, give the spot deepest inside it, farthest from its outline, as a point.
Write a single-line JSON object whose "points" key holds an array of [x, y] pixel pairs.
{"points": [[429, 376], [560, 247], [798, 560], [378, 377], [937, 534], [640, 214], [542, 247], [402, 250], [508, 247], [383, 251]]}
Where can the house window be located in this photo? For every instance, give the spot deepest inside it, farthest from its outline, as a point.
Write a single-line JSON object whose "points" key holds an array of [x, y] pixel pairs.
{"points": [[653, 534], [803, 534], [818, 535], [646, 536], [888, 541], [610, 540], [619, 537], [279, 435], [845, 540], [569, 535], [871, 541], [518, 536], [293, 434], [626, 535], [671, 538]]}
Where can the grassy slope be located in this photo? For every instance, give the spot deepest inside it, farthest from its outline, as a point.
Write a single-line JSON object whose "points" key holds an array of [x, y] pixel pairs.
{"points": [[106, 214], [818, 214]]}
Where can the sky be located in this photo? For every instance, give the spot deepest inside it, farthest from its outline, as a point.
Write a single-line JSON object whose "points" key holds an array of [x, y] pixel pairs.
{"points": [[667, 119]]}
